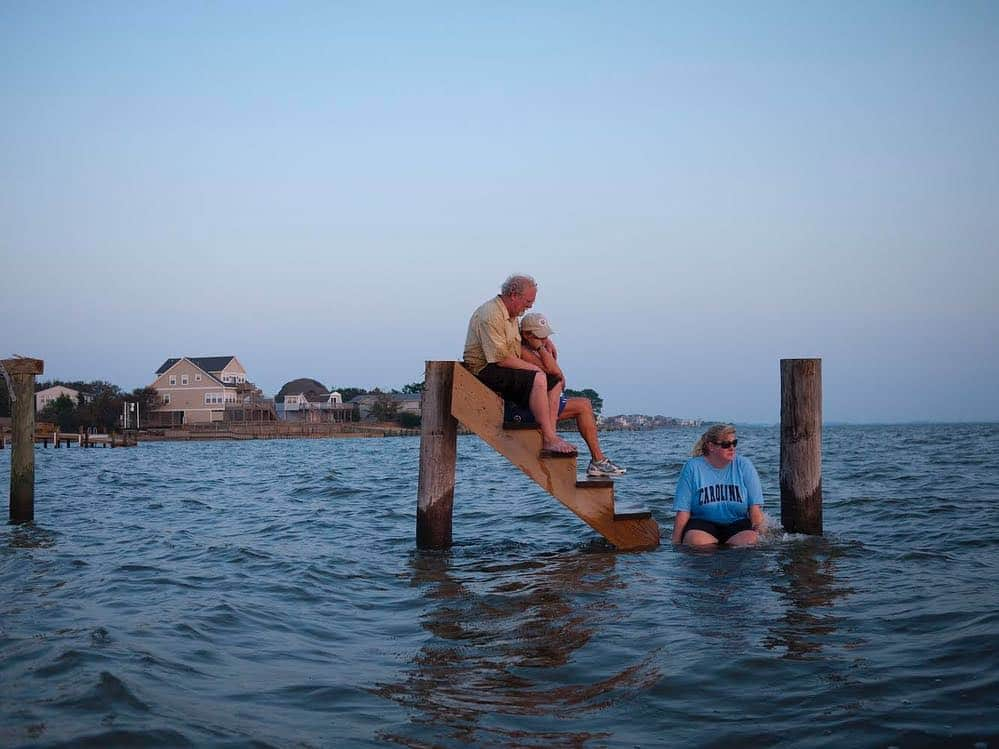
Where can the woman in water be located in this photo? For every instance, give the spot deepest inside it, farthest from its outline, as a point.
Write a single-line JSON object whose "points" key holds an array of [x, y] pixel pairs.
{"points": [[719, 499]]}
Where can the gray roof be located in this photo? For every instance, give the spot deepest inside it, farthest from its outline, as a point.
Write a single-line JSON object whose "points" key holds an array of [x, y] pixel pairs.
{"points": [[207, 363], [303, 385]]}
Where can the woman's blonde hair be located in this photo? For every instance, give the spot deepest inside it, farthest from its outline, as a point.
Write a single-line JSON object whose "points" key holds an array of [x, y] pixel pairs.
{"points": [[713, 434]]}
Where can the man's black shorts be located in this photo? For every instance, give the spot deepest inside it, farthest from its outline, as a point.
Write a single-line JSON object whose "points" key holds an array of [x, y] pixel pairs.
{"points": [[513, 384], [722, 532]]}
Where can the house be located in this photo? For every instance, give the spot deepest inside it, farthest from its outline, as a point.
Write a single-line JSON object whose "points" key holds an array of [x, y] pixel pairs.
{"points": [[405, 403], [206, 389], [46, 396], [309, 400]]}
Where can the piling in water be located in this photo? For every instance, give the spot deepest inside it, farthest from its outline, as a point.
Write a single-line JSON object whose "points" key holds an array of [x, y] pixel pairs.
{"points": [[801, 445], [21, 373], [438, 455]]}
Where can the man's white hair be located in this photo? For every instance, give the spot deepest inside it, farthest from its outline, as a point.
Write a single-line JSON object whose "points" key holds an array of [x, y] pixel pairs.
{"points": [[517, 284]]}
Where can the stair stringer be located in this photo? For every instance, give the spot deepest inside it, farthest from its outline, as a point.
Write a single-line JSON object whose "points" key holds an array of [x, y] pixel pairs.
{"points": [[481, 411]]}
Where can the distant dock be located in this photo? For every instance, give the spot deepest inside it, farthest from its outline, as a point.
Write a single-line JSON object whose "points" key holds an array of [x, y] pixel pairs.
{"points": [[65, 439], [272, 430]]}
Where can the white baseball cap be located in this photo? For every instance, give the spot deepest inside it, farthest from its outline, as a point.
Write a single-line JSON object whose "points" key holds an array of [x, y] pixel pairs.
{"points": [[536, 324]]}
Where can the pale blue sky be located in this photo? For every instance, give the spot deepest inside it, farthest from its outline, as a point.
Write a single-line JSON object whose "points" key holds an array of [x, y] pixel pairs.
{"points": [[328, 189]]}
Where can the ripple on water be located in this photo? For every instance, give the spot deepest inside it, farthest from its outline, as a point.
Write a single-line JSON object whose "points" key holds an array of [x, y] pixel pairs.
{"points": [[269, 593]]}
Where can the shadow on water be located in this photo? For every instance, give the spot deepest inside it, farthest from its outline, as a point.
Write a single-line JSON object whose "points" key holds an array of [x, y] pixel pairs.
{"points": [[499, 666]]}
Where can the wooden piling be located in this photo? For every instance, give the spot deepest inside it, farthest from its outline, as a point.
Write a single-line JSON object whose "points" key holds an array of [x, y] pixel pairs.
{"points": [[801, 445], [438, 455], [22, 373]]}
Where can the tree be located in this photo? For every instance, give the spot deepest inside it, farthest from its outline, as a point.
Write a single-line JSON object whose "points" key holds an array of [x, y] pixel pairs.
{"points": [[4, 398], [413, 387], [148, 400], [385, 407], [103, 410], [63, 412], [348, 393], [595, 399]]}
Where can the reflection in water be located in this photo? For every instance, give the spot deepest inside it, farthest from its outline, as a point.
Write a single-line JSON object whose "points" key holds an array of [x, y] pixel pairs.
{"points": [[30, 536], [712, 588], [504, 636], [808, 585]]}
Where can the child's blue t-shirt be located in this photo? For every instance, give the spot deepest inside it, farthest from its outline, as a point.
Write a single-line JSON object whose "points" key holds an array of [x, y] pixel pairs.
{"points": [[718, 495]]}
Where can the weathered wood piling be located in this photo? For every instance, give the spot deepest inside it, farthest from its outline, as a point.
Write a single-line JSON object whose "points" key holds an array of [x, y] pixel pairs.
{"points": [[438, 455], [801, 445], [21, 372]]}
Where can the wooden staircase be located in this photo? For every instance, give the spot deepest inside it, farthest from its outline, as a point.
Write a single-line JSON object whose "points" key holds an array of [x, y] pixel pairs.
{"points": [[481, 411]]}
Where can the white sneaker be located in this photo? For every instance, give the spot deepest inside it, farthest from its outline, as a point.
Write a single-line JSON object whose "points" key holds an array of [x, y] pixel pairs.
{"points": [[603, 468]]}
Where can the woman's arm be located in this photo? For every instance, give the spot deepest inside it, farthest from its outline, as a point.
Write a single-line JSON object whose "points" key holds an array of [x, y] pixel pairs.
{"points": [[679, 524], [543, 358], [756, 517]]}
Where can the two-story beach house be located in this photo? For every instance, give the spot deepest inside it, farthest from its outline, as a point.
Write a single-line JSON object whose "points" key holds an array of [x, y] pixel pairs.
{"points": [[206, 389]]}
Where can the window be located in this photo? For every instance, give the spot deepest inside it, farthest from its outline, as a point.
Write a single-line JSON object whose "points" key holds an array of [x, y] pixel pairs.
{"points": [[213, 398], [166, 398], [183, 380], [173, 379], [197, 378]]}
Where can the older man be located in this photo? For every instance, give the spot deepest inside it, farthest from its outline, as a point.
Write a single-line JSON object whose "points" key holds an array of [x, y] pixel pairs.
{"points": [[492, 353]]}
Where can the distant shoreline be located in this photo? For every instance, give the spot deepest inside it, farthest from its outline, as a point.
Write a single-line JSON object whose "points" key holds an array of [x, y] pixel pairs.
{"points": [[274, 430]]}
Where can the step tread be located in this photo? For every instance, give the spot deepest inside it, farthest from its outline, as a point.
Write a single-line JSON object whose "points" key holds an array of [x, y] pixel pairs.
{"points": [[594, 483], [633, 512], [557, 456]]}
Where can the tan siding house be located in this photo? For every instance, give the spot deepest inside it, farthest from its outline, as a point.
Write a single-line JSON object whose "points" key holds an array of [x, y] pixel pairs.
{"points": [[196, 390]]}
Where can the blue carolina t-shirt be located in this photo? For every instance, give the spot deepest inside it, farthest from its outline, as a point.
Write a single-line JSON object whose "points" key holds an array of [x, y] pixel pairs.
{"points": [[719, 495]]}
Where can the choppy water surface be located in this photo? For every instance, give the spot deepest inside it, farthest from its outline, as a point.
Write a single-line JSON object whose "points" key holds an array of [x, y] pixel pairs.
{"points": [[269, 594]]}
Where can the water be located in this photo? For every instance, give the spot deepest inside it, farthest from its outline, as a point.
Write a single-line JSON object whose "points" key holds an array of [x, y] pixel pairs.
{"points": [[269, 594]]}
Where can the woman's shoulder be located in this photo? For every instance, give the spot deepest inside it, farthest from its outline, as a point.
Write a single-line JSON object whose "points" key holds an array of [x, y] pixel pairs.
{"points": [[744, 463], [694, 463]]}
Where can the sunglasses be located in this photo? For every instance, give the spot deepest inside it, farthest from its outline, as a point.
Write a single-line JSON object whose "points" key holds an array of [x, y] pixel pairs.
{"points": [[727, 444]]}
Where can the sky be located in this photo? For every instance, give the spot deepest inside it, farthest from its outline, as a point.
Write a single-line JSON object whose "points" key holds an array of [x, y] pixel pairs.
{"points": [[329, 189]]}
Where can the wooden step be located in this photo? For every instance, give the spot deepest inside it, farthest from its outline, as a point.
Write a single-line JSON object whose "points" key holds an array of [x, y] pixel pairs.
{"points": [[557, 456], [631, 513], [480, 410]]}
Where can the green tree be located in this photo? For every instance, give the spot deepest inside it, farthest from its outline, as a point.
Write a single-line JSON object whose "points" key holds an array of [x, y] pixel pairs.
{"points": [[103, 409], [595, 399], [413, 387], [62, 411], [348, 393], [385, 407], [4, 398], [148, 400]]}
